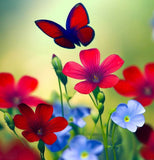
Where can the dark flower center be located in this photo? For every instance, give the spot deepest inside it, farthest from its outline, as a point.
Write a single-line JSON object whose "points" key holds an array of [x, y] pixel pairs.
{"points": [[16, 100], [147, 91], [40, 132], [95, 79]]}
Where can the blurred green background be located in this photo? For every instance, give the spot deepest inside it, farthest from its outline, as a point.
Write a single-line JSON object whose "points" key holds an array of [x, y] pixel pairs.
{"points": [[121, 27]]}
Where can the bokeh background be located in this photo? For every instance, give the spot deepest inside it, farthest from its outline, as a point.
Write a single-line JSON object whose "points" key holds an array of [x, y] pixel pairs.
{"points": [[121, 27]]}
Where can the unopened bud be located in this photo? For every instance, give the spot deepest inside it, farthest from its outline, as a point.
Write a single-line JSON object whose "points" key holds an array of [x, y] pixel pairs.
{"points": [[95, 117], [101, 97], [9, 121], [100, 108], [56, 62], [57, 65]]}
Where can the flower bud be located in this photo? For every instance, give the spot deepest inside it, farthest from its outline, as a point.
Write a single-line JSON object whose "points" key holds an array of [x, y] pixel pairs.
{"points": [[56, 62], [9, 121], [101, 97], [95, 117], [57, 65], [100, 108]]}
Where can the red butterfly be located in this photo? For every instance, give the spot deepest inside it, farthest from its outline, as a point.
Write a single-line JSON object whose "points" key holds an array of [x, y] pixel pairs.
{"points": [[77, 31]]}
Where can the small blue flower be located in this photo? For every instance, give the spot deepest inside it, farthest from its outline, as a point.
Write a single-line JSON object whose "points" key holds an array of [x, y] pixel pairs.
{"points": [[80, 148], [73, 115], [129, 115], [62, 139]]}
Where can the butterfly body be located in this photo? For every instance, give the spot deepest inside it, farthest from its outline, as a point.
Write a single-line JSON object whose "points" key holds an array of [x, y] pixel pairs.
{"points": [[77, 30]]}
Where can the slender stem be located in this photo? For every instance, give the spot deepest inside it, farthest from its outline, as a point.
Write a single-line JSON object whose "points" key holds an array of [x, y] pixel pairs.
{"points": [[2, 111], [93, 100], [67, 99], [42, 156], [61, 97], [114, 152], [93, 130], [18, 137], [104, 139]]}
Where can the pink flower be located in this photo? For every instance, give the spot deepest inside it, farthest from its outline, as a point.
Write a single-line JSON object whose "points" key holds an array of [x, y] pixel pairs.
{"points": [[137, 84], [92, 72], [12, 94]]}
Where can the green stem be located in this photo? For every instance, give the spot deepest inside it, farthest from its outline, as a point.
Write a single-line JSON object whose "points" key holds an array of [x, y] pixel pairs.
{"points": [[18, 137], [104, 139], [61, 97], [94, 128], [67, 99], [93, 100], [114, 152], [2, 111], [42, 156]]}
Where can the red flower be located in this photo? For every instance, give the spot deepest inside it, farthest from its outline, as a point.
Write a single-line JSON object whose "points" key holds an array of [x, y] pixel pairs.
{"points": [[138, 85], [17, 151], [145, 135], [38, 125], [94, 73], [12, 94]]}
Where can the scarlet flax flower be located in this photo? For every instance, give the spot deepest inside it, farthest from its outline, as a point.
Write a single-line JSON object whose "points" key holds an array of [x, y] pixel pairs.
{"points": [[12, 94], [137, 84], [38, 126], [92, 72]]}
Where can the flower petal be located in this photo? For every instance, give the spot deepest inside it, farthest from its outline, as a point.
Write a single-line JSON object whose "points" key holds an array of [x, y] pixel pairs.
{"points": [[90, 57], [149, 72], [26, 110], [145, 101], [95, 147], [135, 107], [138, 120], [30, 136], [85, 87], [134, 75], [131, 126], [5, 104], [44, 112], [147, 152], [74, 70], [32, 101], [26, 85], [6, 79], [78, 142], [57, 124], [70, 154], [111, 64], [125, 88], [109, 81], [20, 122], [49, 138]]}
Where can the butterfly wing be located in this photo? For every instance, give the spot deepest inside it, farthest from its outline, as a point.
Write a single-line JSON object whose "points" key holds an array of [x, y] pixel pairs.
{"points": [[77, 22], [55, 31], [85, 35], [77, 18]]}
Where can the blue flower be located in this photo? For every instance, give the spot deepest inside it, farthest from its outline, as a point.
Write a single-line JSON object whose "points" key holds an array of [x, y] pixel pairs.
{"points": [[80, 148], [62, 139], [73, 115], [129, 115]]}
